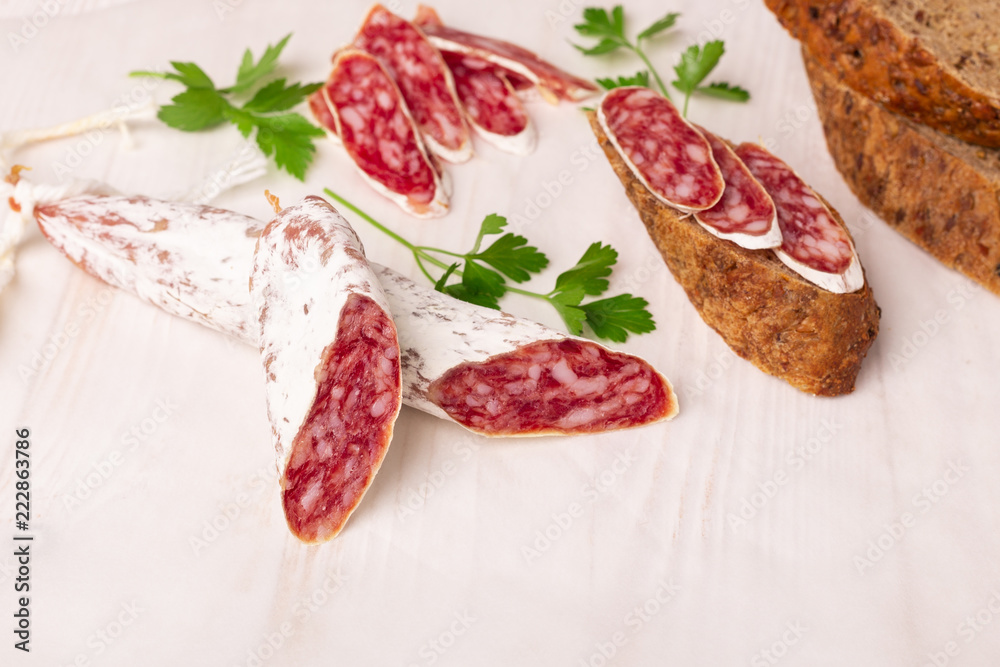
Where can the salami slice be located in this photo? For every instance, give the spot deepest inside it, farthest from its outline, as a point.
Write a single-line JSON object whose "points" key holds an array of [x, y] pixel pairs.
{"points": [[491, 104], [552, 82], [422, 77], [814, 244], [321, 112], [665, 152], [444, 342], [331, 364], [745, 215], [373, 122], [496, 374]]}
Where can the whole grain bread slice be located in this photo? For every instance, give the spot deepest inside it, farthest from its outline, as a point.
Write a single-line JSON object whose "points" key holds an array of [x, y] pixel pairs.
{"points": [[933, 61], [786, 326], [941, 193]]}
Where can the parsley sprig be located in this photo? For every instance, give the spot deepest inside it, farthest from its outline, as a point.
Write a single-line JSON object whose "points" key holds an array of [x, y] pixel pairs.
{"points": [[481, 275], [287, 136], [697, 62]]}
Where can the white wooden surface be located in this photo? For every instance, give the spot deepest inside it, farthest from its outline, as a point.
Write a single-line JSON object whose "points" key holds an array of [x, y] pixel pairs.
{"points": [[148, 431]]}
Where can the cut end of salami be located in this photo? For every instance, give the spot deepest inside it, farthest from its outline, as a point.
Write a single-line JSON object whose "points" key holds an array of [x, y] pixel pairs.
{"points": [[815, 243], [423, 78], [321, 112], [376, 129], [548, 387], [553, 83], [492, 106], [346, 434], [746, 214], [665, 152]]}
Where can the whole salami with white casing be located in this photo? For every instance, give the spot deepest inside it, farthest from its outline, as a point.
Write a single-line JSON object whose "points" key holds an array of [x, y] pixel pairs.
{"points": [[331, 364], [491, 372]]}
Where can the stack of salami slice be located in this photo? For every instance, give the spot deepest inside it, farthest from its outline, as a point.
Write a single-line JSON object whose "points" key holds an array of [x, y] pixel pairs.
{"points": [[765, 260], [404, 94]]}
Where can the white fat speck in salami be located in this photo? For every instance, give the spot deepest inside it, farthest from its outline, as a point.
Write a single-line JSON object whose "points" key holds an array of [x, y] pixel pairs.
{"points": [[499, 375], [423, 78], [554, 83], [663, 150], [814, 244], [444, 342], [376, 129], [745, 215], [331, 364], [492, 106]]}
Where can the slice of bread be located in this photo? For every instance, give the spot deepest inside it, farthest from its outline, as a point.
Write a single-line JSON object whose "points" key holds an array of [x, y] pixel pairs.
{"points": [[786, 326], [941, 193], [933, 61]]}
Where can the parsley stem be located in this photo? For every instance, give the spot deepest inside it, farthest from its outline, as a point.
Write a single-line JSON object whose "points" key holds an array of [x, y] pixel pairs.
{"points": [[659, 82], [371, 220]]}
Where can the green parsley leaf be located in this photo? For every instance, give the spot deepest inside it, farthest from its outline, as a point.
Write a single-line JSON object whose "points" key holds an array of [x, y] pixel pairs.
{"points": [[724, 91], [194, 109], [591, 272], [512, 256], [640, 78], [659, 26], [191, 75], [614, 318], [604, 46], [443, 280], [696, 64], [251, 73], [572, 315], [276, 96], [289, 138]]}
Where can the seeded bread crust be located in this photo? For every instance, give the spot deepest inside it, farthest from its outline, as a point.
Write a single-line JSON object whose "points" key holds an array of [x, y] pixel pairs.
{"points": [[939, 192], [891, 61], [813, 339]]}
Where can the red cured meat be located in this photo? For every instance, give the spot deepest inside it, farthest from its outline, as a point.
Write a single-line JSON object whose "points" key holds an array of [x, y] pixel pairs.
{"points": [[373, 122], [342, 442], [422, 77], [745, 207], [810, 235], [550, 79], [556, 386], [489, 100], [664, 151], [321, 112]]}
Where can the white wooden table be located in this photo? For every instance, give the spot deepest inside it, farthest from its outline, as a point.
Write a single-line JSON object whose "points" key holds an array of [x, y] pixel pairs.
{"points": [[761, 526]]}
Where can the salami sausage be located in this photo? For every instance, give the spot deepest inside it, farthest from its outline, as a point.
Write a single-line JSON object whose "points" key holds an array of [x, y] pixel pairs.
{"points": [[375, 126], [496, 374], [814, 244], [444, 342], [745, 215], [491, 104], [552, 82], [422, 77], [665, 152], [331, 364]]}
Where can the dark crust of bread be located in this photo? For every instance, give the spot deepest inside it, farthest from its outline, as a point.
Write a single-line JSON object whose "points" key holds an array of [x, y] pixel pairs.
{"points": [[877, 58], [811, 338], [941, 202]]}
